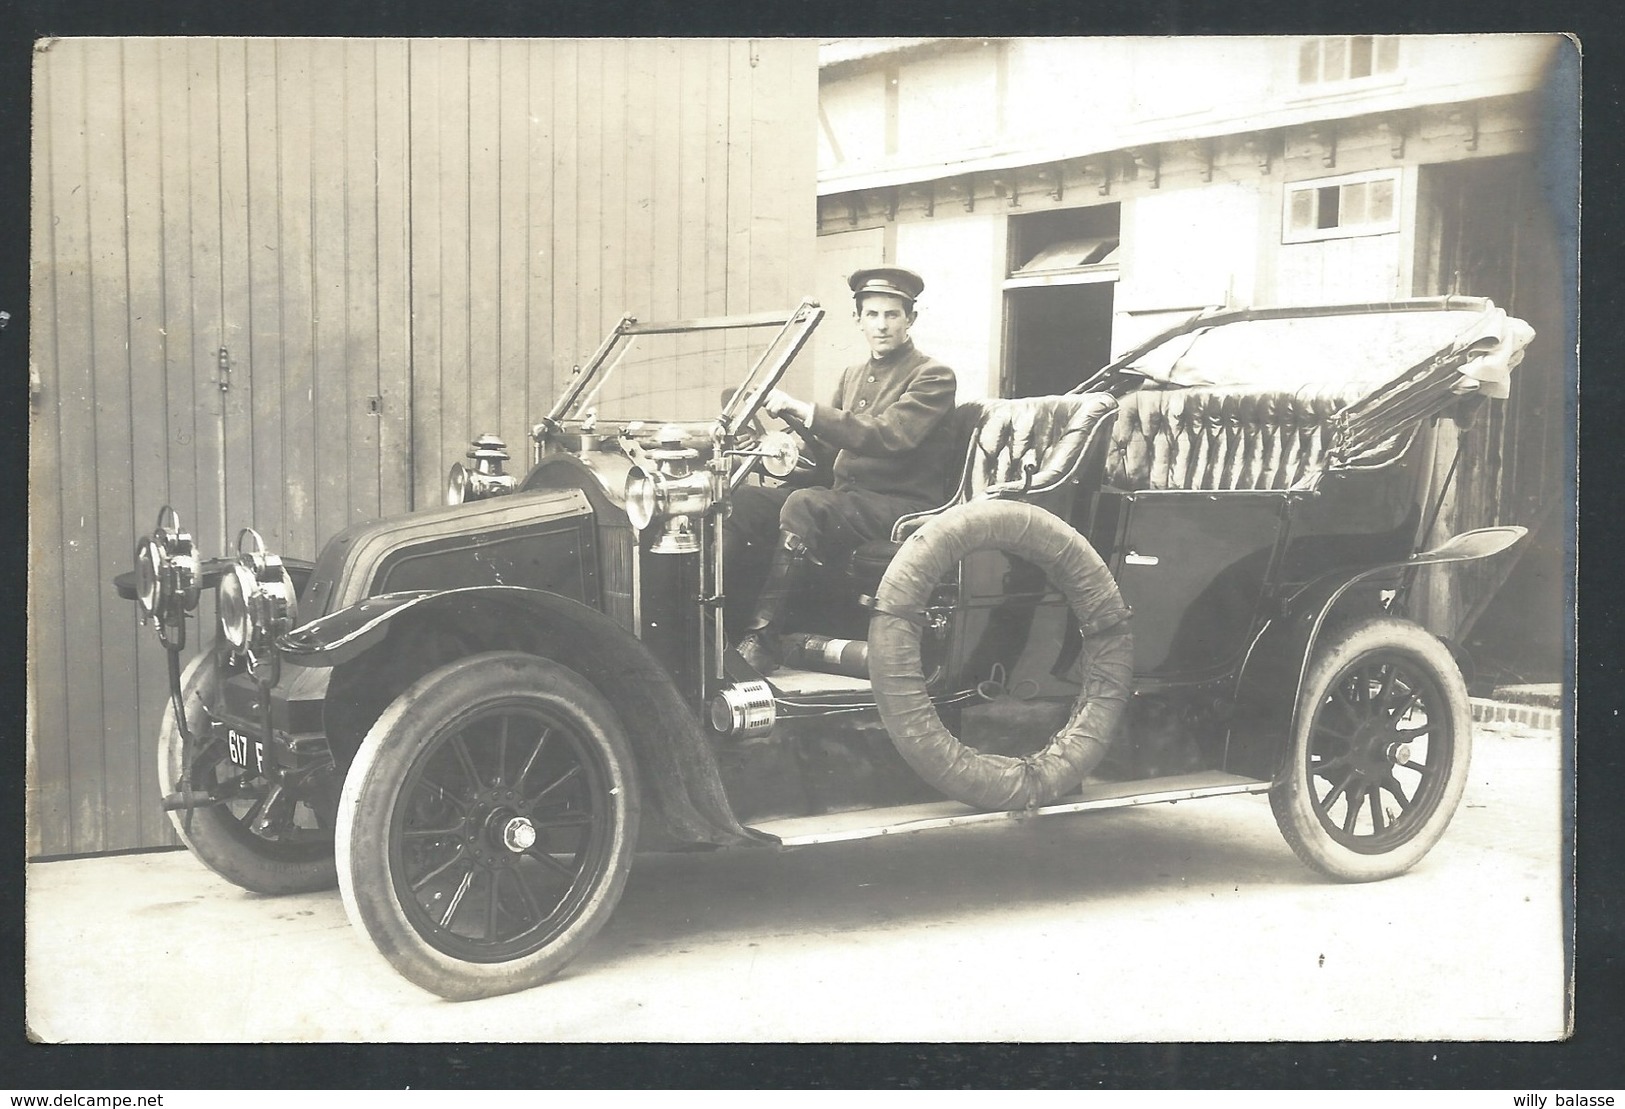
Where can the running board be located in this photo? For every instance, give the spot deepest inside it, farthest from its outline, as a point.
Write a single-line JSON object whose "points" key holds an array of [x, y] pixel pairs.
{"points": [[835, 827]]}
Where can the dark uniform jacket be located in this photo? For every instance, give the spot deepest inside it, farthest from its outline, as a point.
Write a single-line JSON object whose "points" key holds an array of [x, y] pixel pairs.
{"points": [[889, 425]]}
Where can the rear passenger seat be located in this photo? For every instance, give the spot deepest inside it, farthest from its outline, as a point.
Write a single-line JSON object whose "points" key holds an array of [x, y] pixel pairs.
{"points": [[1053, 450], [1224, 437]]}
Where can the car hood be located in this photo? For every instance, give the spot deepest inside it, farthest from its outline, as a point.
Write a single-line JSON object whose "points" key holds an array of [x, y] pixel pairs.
{"points": [[501, 541]]}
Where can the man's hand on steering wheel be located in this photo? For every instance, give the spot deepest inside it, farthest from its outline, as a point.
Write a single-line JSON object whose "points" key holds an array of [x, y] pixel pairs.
{"points": [[779, 450], [782, 404]]}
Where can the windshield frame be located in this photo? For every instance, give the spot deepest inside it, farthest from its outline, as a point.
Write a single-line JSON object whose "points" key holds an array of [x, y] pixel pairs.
{"points": [[795, 328]]}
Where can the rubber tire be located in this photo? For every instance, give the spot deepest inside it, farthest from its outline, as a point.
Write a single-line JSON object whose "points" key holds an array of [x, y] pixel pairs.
{"points": [[212, 834], [1292, 796], [985, 780], [442, 699]]}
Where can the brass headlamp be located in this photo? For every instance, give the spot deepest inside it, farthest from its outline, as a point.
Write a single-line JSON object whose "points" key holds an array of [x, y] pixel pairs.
{"points": [[166, 574], [665, 485], [486, 479], [257, 603]]}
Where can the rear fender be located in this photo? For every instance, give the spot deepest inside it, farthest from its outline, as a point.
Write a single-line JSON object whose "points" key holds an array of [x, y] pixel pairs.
{"points": [[1269, 690], [381, 645]]}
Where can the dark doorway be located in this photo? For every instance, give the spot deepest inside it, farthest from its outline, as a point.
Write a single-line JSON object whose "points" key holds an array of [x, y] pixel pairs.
{"points": [[1058, 335], [1484, 228], [1062, 274]]}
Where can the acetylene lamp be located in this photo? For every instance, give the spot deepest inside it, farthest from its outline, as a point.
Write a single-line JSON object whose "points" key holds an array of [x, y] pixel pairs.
{"points": [[166, 576], [665, 486], [256, 603], [486, 479]]}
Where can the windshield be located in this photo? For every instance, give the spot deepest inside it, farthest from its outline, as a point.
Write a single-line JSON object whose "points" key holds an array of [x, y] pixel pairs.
{"points": [[686, 371]]}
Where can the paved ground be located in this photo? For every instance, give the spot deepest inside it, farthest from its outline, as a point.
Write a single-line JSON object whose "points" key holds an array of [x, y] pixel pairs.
{"points": [[1184, 922]]}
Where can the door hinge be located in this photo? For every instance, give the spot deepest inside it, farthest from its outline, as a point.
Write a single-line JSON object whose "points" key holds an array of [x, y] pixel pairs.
{"points": [[225, 369]]}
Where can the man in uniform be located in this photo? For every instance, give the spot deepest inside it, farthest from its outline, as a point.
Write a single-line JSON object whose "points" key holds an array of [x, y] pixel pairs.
{"points": [[888, 429]]}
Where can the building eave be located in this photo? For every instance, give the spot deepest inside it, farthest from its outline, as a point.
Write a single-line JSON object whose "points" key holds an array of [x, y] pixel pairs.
{"points": [[847, 51], [1310, 111]]}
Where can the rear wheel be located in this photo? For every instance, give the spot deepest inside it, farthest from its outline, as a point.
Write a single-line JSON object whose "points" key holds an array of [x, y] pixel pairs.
{"points": [[487, 825], [221, 835], [1380, 752]]}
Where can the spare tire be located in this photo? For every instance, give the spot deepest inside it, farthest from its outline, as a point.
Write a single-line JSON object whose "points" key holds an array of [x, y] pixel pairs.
{"points": [[990, 781]]}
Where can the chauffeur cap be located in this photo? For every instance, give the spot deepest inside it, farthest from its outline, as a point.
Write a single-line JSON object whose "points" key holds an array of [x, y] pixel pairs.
{"points": [[890, 280]]}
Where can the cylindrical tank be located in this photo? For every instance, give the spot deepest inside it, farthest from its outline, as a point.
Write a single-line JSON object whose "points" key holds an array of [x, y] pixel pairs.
{"points": [[831, 656]]}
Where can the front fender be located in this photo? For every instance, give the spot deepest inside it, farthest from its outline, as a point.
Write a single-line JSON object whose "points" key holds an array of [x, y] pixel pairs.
{"points": [[1278, 660], [338, 637], [376, 648]]}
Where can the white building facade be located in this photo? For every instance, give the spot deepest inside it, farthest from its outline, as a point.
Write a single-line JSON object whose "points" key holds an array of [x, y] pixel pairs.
{"points": [[1066, 198]]}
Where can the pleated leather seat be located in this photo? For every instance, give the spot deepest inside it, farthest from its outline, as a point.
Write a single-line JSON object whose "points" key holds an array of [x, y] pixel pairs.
{"points": [[1222, 438], [1026, 446], [1031, 443]]}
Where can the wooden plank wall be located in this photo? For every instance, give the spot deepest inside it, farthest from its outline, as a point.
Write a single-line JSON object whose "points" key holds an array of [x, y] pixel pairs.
{"points": [[194, 197], [558, 184], [437, 230]]}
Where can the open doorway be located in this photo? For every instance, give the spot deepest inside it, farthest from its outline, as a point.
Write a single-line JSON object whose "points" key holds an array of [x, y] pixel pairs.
{"points": [[1484, 229], [1061, 281], [1058, 335]]}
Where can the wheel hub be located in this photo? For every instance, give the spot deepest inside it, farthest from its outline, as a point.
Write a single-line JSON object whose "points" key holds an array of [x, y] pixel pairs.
{"points": [[499, 835], [518, 835], [1375, 750], [494, 832]]}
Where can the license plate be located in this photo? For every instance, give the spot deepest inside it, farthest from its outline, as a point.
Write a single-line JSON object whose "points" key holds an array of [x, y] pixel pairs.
{"points": [[245, 751]]}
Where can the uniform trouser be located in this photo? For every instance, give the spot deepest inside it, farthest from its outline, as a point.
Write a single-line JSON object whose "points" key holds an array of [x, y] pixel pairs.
{"points": [[831, 522]]}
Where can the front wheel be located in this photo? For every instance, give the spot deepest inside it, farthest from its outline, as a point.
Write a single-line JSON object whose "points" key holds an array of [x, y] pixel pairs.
{"points": [[293, 854], [1379, 753], [487, 825]]}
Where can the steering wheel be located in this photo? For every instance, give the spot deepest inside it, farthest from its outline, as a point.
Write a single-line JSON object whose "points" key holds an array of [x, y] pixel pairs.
{"points": [[779, 451]]}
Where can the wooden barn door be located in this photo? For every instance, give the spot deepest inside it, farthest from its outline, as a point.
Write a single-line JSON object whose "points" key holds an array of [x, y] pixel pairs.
{"points": [[284, 282], [220, 321]]}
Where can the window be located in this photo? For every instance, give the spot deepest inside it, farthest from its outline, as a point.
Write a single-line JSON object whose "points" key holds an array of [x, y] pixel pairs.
{"points": [[1060, 286], [1342, 207], [1066, 246], [1334, 58], [1069, 262]]}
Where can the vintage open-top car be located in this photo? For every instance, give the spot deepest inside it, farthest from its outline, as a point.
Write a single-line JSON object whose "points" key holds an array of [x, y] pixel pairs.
{"points": [[1187, 577]]}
